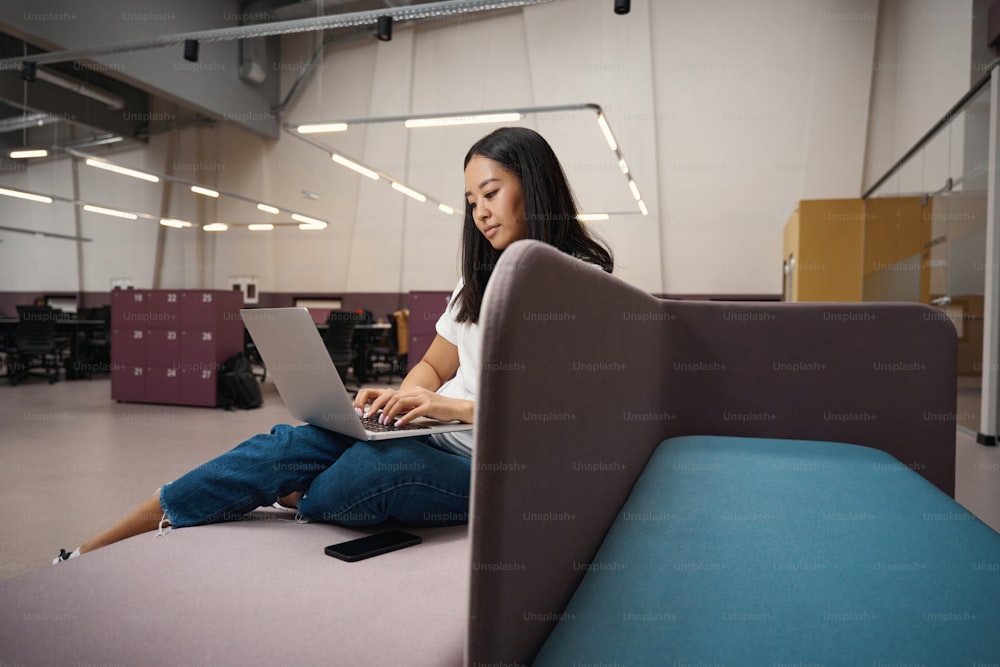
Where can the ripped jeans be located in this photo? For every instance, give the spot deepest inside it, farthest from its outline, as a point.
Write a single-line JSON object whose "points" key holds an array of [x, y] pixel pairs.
{"points": [[344, 481]]}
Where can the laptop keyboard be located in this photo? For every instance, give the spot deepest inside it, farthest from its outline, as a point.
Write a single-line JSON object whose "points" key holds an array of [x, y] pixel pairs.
{"points": [[371, 424]]}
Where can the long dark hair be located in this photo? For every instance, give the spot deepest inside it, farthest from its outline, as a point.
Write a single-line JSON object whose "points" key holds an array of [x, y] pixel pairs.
{"points": [[549, 212]]}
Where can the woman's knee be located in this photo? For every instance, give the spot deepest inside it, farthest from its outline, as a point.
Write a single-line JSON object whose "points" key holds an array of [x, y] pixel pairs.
{"points": [[374, 482]]}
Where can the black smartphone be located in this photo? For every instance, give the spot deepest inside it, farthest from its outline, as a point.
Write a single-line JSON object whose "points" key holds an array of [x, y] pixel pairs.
{"points": [[372, 545]]}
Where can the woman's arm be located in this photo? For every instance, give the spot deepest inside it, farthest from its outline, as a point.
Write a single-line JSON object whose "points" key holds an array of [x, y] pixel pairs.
{"points": [[438, 364], [416, 396]]}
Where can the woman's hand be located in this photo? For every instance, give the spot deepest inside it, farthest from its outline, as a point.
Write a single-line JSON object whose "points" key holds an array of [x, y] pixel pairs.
{"points": [[403, 406]]}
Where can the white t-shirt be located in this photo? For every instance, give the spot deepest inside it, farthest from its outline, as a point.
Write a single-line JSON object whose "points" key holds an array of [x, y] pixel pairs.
{"points": [[465, 385]]}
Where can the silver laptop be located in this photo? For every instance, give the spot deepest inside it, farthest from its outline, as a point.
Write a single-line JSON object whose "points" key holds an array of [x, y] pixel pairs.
{"points": [[307, 379]]}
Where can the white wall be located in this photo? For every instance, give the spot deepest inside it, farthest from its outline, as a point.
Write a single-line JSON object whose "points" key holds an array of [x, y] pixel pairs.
{"points": [[758, 105], [728, 113], [921, 69]]}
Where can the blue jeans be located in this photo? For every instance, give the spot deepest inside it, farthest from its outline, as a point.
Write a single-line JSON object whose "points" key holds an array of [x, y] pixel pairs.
{"points": [[344, 481]]}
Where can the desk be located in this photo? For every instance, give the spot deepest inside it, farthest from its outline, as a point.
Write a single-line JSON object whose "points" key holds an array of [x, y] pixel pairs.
{"points": [[64, 325]]}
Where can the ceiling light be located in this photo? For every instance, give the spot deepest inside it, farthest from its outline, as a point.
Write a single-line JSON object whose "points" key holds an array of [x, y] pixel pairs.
{"points": [[268, 209], [260, 227], [603, 122], [635, 189], [216, 227], [28, 152], [642, 207], [384, 29], [198, 190], [178, 224], [308, 223], [191, 50], [467, 117], [592, 217], [321, 128], [364, 171], [399, 187], [110, 211], [25, 195], [91, 162], [445, 121]]}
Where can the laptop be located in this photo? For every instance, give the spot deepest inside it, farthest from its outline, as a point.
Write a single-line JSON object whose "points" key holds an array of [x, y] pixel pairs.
{"points": [[307, 379]]}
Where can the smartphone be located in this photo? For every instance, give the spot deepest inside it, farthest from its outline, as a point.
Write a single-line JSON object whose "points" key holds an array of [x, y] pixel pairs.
{"points": [[373, 545]]}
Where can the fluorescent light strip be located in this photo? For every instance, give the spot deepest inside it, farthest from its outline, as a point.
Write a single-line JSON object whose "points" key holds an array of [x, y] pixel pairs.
{"points": [[399, 187], [467, 119], [447, 121], [321, 128], [198, 190], [603, 122], [178, 224], [28, 152], [260, 227], [268, 209], [592, 217], [110, 211], [308, 223], [216, 227], [25, 195], [635, 189], [122, 170], [364, 171]]}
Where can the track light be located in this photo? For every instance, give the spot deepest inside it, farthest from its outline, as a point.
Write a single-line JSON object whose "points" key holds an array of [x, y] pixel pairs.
{"points": [[28, 70], [198, 190], [28, 153], [25, 195], [191, 50], [471, 119], [622, 6], [384, 33]]}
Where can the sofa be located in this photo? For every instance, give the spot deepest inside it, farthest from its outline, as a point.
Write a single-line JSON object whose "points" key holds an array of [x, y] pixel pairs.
{"points": [[654, 482]]}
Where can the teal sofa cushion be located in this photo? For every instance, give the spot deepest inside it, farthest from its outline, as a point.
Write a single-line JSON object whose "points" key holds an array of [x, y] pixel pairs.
{"points": [[740, 551]]}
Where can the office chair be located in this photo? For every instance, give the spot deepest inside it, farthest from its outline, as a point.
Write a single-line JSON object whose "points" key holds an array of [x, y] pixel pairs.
{"points": [[389, 358], [339, 341], [34, 345], [98, 339]]}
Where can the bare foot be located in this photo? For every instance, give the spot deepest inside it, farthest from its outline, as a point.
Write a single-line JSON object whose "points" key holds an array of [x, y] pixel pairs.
{"points": [[290, 501]]}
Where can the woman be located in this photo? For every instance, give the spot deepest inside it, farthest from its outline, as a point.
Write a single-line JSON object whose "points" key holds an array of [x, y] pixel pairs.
{"points": [[515, 189]]}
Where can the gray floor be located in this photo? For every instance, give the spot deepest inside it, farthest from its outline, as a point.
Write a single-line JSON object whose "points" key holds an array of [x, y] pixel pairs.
{"points": [[72, 461]]}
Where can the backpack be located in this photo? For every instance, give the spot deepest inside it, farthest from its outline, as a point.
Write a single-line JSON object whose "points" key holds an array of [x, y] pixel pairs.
{"points": [[238, 385]]}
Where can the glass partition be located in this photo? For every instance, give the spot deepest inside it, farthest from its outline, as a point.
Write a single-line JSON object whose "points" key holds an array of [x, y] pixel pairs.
{"points": [[925, 234]]}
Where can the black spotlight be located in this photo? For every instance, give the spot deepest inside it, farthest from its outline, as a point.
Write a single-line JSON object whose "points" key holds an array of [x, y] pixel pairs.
{"points": [[622, 6], [191, 50], [28, 70], [384, 28]]}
